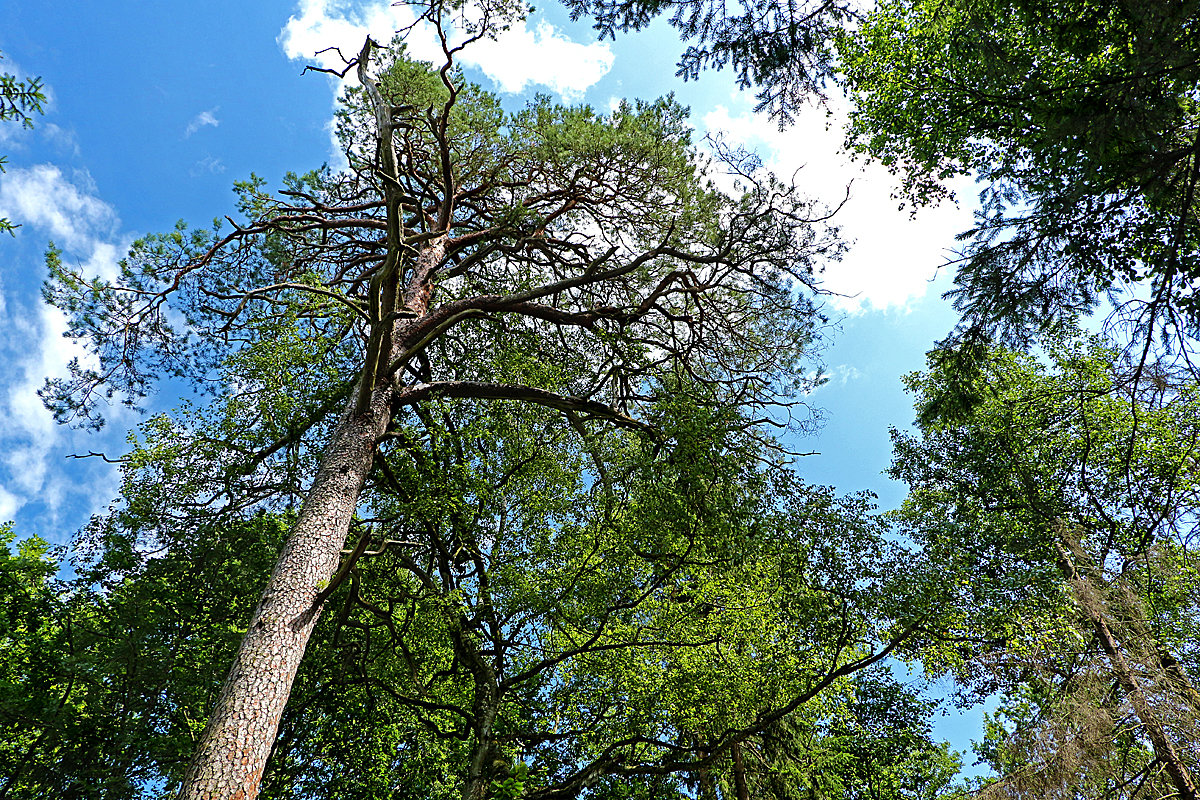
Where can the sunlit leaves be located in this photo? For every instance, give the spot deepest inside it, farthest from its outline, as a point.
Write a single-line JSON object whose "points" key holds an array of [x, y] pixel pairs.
{"points": [[1079, 119]]}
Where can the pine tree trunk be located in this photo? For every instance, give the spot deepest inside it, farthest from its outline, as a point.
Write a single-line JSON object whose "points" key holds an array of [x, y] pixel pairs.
{"points": [[233, 750]]}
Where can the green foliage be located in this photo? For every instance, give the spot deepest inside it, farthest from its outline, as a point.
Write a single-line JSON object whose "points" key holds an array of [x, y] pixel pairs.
{"points": [[613, 606], [1059, 503], [512, 787], [876, 745], [31, 650], [20, 99], [108, 677], [783, 50], [625, 615], [622, 618], [546, 193], [1080, 121]]}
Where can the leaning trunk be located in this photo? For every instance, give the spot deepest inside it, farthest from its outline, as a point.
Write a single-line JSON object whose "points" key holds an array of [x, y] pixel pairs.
{"points": [[233, 750], [1160, 740], [1164, 748]]}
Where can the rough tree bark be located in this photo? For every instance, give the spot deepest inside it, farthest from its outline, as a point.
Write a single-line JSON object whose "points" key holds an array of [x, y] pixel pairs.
{"points": [[233, 751]]}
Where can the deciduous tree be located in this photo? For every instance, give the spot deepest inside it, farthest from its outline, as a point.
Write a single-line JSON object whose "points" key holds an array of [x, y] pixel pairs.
{"points": [[1061, 516], [708, 619], [1080, 121]]}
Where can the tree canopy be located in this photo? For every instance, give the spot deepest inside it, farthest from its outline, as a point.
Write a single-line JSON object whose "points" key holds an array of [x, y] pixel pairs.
{"points": [[785, 51], [705, 621], [1080, 122], [1061, 519], [583, 264], [480, 493]]}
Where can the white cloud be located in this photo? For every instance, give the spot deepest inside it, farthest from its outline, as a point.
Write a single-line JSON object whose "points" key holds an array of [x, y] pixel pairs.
{"points": [[839, 375], [203, 119], [517, 59], [32, 342], [62, 138], [543, 56], [9, 505], [843, 374], [103, 258], [33, 444], [893, 257], [324, 32], [34, 429], [43, 197], [15, 138], [207, 166], [10, 134]]}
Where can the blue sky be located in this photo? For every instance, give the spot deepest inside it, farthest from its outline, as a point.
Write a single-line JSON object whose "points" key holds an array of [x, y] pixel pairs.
{"points": [[156, 109]]}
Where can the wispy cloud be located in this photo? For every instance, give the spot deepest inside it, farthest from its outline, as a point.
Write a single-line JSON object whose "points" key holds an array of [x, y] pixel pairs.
{"points": [[839, 375], [207, 166], [201, 120], [843, 374], [65, 208], [64, 139]]}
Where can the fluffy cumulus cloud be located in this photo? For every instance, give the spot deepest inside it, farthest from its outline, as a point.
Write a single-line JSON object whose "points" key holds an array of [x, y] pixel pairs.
{"points": [[516, 60], [326, 33], [48, 204], [893, 256]]}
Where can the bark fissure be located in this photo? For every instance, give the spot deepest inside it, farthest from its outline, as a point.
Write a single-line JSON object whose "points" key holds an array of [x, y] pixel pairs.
{"points": [[233, 750]]}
